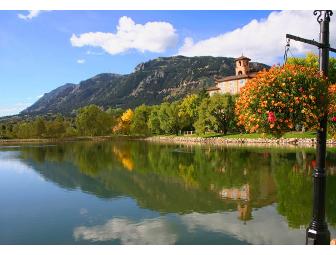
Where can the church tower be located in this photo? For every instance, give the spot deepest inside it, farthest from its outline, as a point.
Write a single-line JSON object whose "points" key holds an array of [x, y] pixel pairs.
{"points": [[242, 65]]}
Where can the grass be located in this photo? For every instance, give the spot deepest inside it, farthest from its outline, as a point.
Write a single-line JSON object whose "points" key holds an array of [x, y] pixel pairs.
{"points": [[250, 136], [300, 135]]}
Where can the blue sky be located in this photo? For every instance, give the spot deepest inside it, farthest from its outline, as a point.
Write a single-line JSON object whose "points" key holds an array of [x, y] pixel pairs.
{"points": [[37, 55]]}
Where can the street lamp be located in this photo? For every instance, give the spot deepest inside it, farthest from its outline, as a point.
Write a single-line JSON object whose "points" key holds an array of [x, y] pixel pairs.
{"points": [[317, 232]]}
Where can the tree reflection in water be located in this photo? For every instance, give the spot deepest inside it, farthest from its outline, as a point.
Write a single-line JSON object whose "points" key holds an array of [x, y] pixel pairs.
{"points": [[184, 179]]}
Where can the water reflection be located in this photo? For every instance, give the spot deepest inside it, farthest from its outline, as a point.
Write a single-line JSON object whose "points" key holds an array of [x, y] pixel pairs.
{"points": [[153, 231], [233, 191]]}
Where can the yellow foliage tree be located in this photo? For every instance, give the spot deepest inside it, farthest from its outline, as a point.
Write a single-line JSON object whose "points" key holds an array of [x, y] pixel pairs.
{"points": [[127, 116], [124, 123]]}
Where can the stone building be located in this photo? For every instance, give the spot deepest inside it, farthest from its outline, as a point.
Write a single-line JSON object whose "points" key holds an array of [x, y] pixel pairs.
{"points": [[233, 84]]}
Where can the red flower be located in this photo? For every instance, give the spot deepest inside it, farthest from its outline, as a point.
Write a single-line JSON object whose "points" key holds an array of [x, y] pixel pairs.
{"points": [[271, 117], [333, 119]]}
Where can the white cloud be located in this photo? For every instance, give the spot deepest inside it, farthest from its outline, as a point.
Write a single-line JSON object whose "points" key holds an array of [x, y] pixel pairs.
{"points": [[148, 231], [261, 40], [152, 36], [30, 15], [81, 61]]}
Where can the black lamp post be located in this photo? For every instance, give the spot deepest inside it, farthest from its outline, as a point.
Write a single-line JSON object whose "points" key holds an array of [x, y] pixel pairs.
{"points": [[317, 232]]}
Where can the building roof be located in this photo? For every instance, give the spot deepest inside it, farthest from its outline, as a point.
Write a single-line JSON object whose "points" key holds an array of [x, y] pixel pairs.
{"points": [[242, 58], [237, 77], [213, 88]]}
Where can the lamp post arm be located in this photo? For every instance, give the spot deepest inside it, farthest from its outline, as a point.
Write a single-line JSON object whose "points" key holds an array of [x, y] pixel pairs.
{"points": [[311, 42]]}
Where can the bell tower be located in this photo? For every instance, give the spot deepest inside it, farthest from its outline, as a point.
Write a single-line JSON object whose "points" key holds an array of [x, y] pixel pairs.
{"points": [[242, 65]]}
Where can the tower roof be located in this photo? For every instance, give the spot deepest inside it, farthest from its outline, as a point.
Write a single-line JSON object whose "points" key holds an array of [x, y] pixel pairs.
{"points": [[242, 57]]}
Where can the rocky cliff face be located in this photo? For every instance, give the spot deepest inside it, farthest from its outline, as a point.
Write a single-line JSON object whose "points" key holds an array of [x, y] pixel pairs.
{"points": [[152, 82]]}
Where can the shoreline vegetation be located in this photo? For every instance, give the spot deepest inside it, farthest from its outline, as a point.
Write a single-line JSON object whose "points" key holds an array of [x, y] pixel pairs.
{"points": [[291, 139]]}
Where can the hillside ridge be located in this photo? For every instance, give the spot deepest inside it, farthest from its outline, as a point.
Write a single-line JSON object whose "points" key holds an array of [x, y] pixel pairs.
{"points": [[151, 82]]}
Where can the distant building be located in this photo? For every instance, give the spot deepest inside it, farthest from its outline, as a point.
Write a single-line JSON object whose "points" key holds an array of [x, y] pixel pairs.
{"points": [[233, 84]]}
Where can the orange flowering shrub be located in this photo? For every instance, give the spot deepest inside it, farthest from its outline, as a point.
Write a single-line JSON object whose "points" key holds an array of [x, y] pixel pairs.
{"points": [[278, 99]]}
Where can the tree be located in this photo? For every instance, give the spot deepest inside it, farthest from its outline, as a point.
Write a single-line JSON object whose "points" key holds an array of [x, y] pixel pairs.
{"points": [[115, 114], [39, 127], [169, 119], [140, 119], [124, 122], [56, 127], [23, 130], [203, 93], [154, 120], [188, 112], [278, 100], [6, 130], [216, 113], [221, 112], [70, 131], [3, 131], [203, 123], [92, 121]]}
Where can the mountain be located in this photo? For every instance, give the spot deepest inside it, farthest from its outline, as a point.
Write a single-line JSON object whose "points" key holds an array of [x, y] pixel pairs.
{"points": [[168, 78]]}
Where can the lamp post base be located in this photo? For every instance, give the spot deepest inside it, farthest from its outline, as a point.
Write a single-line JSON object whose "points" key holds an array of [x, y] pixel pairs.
{"points": [[317, 236]]}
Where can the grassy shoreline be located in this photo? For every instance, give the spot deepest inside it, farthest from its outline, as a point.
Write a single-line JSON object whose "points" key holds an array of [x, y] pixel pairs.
{"points": [[54, 140], [293, 138]]}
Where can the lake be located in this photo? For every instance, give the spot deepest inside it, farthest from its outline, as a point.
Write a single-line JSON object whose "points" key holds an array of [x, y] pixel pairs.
{"points": [[134, 192]]}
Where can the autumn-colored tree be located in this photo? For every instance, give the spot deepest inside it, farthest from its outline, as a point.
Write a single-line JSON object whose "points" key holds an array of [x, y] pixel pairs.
{"points": [[124, 123]]}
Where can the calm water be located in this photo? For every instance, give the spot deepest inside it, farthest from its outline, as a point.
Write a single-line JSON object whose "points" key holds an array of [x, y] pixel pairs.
{"points": [[131, 192]]}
